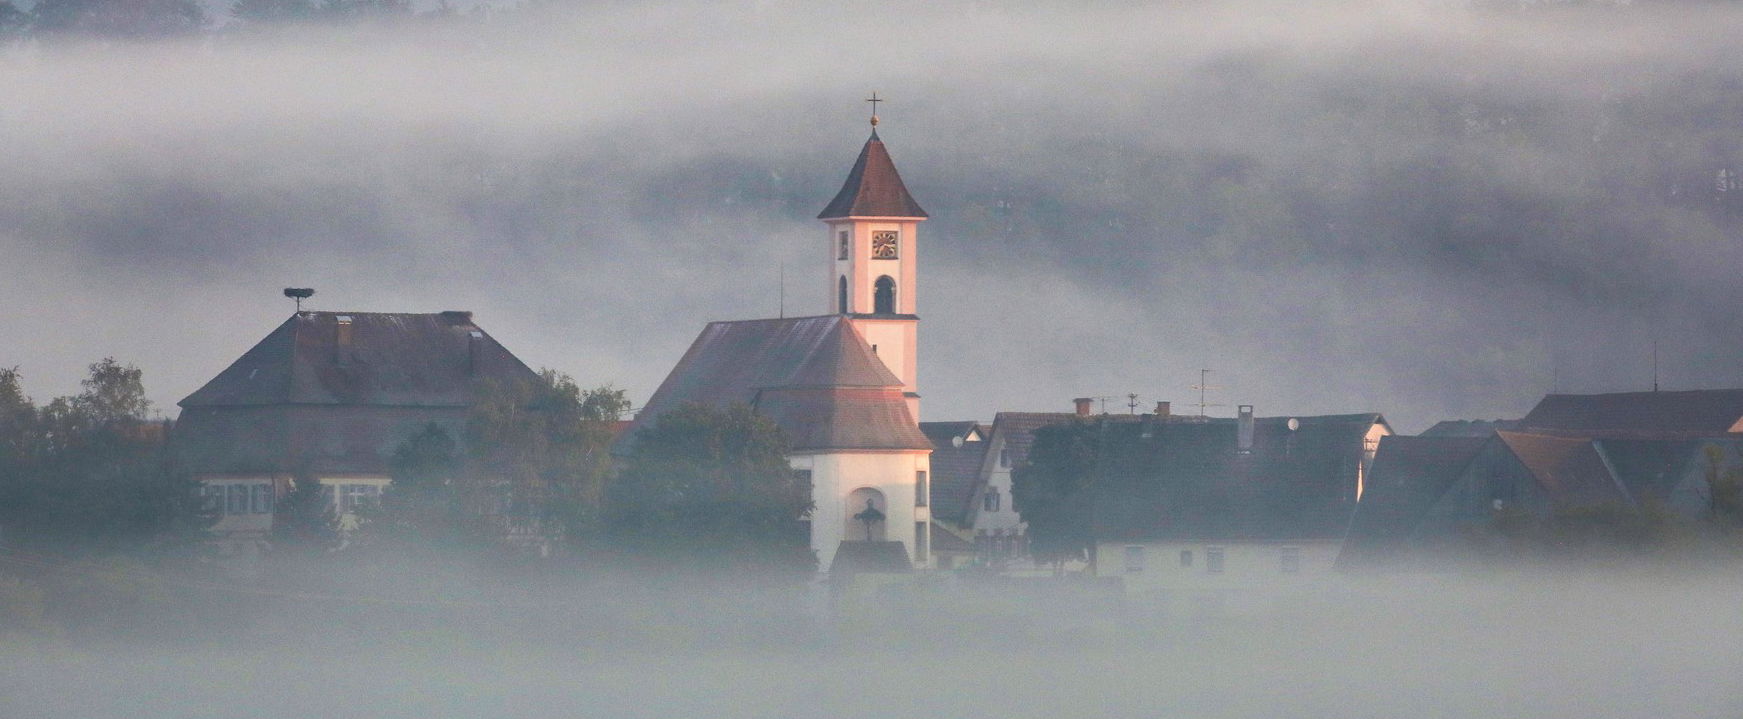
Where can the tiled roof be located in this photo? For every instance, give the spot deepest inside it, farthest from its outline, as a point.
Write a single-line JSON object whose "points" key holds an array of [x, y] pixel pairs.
{"points": [[1570, 470], [299, 400], [1408, 475], [873, 189], [869, 558], [955, 470], [942, 433], [1650, 468], [814, 376], [1469, 427], [393, 359], [1695, 411], [1188, 480]]}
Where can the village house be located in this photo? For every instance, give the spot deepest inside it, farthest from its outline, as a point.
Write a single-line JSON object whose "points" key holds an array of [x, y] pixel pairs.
{"points": [[330, 395], [1436, 498], [1221, 509]]}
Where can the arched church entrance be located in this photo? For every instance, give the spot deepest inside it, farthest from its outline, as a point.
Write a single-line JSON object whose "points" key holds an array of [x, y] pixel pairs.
{"points": [[866, 515], [884, 296]]}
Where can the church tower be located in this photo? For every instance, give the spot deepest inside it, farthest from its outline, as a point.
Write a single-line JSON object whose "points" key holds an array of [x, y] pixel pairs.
{"points": [[874, 255]]}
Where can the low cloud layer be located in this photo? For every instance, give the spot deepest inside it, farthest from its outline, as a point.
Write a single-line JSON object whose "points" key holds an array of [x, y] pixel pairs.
{"points": [[1415, 208]]}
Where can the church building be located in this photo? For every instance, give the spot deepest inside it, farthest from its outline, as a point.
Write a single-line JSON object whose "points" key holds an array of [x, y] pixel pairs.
{"points": [[843, 385]]}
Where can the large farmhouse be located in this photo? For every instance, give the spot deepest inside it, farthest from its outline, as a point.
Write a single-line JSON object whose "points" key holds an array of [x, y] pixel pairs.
{"points": [[330, 395]]}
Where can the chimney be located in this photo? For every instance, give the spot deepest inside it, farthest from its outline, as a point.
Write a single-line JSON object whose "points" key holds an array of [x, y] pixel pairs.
{"points": [[342, 338], [474, 351], [1163, 409], [1244, 428], [1083, 405]]}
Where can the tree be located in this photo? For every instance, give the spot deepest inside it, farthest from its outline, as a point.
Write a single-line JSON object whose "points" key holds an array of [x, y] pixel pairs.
{"points": [[711, 488], [270, 11], [544, 448], [13, 22], [304, 524], [119, 19], [1054, 491], [422, 511], [89, 472]]}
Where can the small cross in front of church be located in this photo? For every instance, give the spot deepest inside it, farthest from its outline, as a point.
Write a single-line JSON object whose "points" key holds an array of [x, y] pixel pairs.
{"points": [[874, 100]]}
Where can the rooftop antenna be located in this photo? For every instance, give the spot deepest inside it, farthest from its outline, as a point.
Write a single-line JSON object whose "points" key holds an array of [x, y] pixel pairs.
{"points": [[299, 294], [1655, 364], [1203, 386], [783, 281], [1132, 402]]}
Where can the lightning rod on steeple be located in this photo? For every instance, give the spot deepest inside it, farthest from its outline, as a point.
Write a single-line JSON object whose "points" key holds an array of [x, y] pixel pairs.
{"points": [[874, 100]]}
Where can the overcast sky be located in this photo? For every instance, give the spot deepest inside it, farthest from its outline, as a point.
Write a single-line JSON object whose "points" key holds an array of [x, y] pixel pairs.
{"points": [[1409, 208]]}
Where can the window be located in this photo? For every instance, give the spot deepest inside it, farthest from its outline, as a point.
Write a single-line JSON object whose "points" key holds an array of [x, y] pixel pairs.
{"points": [[1004, 457], [990, 501], [212, 498], [845, 244], [841, 292], [355, 496], [1134, 558], [921, 491], [1213, 560], [328, 496], [884, 296], [238, 499], [1186, 558], [261, 499], [921, 548], [802, 476], [1289, 560]]}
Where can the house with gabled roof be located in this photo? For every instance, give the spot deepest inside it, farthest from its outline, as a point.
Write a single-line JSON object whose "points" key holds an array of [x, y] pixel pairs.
{"points": [[331, 395], [1432, 496], [1228, 507], [842, 386], [958, 451]]}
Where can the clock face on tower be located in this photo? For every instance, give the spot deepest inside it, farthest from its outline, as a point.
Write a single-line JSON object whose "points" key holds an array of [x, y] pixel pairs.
{"points": [[883, 246]]}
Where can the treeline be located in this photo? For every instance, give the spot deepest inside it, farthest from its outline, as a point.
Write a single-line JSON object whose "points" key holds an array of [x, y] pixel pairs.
{"points": [[102, 531], [161, 19]]}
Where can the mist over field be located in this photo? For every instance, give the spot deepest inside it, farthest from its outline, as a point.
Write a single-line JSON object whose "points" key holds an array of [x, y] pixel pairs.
{"points": [[1416, 208], [1537, 644]]}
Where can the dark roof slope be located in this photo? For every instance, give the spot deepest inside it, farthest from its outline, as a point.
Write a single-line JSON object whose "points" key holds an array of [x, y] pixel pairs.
{"points": [[1568, 469], [943, 433], [814, 376], [1188, 480], [393, 359], [1469, 427], [873, 189], [955, 469], [1711, 411], [1408, 475]]}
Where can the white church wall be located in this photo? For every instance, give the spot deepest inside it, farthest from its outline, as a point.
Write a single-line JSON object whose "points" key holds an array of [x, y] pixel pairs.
{"points": [[834, 478]]}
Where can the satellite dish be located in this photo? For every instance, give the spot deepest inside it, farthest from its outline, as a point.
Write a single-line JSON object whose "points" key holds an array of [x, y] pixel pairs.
{"points": [[1294, 424], [956, 441]]}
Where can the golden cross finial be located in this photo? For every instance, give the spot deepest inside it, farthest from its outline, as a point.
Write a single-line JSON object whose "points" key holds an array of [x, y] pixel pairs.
{"points": [[874, 100]]}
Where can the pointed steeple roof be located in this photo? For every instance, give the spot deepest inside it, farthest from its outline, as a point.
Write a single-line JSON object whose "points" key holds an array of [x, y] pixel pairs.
{"points": [[873, 189]]}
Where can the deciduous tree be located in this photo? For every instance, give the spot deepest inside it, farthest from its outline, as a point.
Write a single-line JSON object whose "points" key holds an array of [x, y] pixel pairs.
{"points": [[705, 487]]}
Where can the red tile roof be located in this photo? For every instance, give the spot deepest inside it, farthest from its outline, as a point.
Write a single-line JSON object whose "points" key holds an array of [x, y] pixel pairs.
{"points": [[873, 189], [815, 376], [1568, 469]]}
